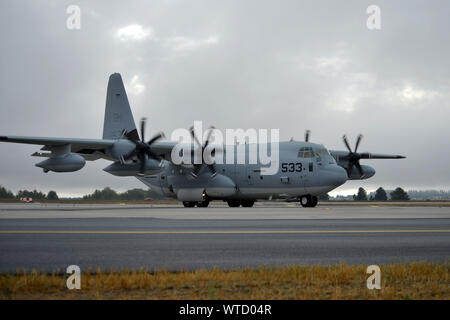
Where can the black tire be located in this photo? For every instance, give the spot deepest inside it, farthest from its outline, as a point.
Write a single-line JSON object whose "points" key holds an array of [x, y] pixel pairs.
{"points": [[314, 201], [247, 203], [233, 203], [203, 204], [308, 201], [189, 204]]}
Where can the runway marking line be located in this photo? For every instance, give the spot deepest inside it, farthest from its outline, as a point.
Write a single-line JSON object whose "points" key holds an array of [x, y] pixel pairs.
{"points": [[220, 232]]}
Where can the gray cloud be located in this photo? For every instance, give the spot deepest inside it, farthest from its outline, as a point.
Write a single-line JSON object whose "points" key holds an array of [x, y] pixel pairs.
{"points": [[275, 64]]}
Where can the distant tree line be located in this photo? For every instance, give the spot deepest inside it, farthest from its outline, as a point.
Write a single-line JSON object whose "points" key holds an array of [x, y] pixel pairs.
{"points": [[7, 194], [104, 194], [429, 194], [381, 195], [110, 194], [140, 194]]}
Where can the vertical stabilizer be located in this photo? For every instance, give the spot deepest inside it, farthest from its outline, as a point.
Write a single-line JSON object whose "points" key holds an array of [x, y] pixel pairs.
{"points": [[118, 116]]}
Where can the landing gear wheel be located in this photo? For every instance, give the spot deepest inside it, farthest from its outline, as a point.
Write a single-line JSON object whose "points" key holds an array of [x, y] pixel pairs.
{"points": [[314, 201], [189, 204], [247, 203], [203, 204], [308, 201], [233, 203]]}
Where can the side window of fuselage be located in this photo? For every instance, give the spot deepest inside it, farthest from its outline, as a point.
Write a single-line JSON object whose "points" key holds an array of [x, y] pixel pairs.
{"points": [[305, 152]]}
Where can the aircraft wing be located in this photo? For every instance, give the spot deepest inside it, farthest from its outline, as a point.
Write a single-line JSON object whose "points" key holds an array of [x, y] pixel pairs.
{"points": [[163, 149], [365, 155], [90, 149]]}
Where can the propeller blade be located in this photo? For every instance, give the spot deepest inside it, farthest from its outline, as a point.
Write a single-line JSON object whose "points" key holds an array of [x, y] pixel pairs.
{"points": [[196, 170], [358, 166], [191, 130], [307, 133], [198, 167], [143, 162], [349, 168], [358, 140], [208, 136], [212, 169], [346, 143], [143, 121], [156, 137], [153, 155]]}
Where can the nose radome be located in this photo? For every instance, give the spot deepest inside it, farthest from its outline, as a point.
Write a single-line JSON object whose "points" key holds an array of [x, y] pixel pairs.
{"points": [[340, 176]]}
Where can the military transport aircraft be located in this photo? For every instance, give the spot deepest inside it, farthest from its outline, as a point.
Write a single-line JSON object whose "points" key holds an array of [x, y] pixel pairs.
{"points": [[305, 170]]}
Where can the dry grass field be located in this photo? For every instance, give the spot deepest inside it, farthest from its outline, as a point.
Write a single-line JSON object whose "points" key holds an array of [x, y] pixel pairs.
{"points": [[398, 281]]}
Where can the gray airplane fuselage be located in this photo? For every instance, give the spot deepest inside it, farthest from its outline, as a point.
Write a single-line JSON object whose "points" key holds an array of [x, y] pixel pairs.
{"points": [[299, 173]]}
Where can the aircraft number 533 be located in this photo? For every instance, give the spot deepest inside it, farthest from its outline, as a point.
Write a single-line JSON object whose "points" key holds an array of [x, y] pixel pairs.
{"points": [[291, 167]]}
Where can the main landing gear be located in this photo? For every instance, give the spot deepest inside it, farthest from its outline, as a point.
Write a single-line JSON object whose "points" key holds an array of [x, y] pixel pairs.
{"points": [[199, 204], [308, 201], [236, 203]]}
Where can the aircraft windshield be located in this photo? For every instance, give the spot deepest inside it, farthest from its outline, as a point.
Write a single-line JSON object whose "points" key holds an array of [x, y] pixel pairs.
{"points": [[324, 156]]}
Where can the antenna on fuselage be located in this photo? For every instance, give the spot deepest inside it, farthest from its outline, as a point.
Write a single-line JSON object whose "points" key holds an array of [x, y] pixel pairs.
{"points": [[307, 134]]}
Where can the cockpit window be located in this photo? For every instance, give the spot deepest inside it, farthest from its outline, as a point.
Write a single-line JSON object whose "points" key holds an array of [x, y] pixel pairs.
{"points": [[305, 152], [323, 155]]}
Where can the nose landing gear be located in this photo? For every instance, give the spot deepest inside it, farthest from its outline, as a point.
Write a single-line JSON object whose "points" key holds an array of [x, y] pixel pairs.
{"points": [[308, 201]]}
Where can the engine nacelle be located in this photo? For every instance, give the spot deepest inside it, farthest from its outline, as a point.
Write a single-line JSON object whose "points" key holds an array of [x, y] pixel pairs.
{"points": [[217, 187], [220, 186], [368, 172], [132, 169], [191, 194], [66, 163]]}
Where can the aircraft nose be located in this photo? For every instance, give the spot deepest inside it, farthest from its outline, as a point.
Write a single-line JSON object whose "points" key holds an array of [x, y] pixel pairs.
{"points": [[339, 176]]}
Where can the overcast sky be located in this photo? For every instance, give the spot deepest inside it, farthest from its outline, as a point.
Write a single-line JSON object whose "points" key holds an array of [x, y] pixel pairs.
{"points": [[292, 65]]}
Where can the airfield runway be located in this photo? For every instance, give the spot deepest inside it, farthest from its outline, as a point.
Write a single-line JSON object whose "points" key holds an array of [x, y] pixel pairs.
{"points": [[52, 237]]}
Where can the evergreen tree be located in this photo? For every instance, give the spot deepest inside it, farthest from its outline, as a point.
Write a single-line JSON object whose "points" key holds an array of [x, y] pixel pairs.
{"points": [[5, 194], [361, 196], [399, 195], [380, 194], [52, 195], [35, 195]]}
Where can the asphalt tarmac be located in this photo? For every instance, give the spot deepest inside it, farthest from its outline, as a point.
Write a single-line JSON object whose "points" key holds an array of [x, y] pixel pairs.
{"points": [[52, 237]]}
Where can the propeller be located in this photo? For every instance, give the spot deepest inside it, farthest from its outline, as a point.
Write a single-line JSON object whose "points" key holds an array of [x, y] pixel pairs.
{"points": [[197, 167], [143, 149], [353, 157]]}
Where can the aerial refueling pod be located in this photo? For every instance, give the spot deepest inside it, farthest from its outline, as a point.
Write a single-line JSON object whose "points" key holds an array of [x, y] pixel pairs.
{"points": [[65, 163]]}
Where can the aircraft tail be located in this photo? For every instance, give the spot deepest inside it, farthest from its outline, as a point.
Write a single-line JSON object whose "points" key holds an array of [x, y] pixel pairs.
{"points": [[118, 115]]}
